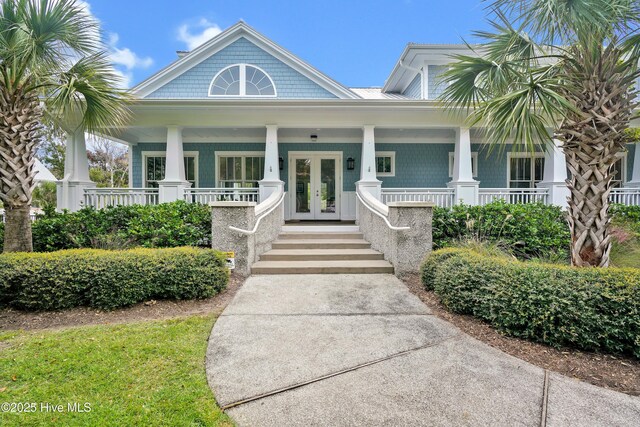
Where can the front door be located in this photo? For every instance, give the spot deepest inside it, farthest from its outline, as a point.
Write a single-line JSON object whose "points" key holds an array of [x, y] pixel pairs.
{"points": [[315, 185]]}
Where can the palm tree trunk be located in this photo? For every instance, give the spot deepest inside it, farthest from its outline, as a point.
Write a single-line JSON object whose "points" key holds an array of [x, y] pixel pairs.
{"points": [[20, 115], [17, 234], [590, 184]]}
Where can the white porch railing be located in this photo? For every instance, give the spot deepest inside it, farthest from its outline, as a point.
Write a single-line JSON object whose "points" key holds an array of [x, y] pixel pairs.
{"points": [[206, 195], [443, 197], [626, 196], [102, 197], [512, 195]]}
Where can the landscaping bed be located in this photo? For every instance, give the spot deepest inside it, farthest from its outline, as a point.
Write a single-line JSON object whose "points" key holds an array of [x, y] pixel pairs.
{"points": [[620, 373]]}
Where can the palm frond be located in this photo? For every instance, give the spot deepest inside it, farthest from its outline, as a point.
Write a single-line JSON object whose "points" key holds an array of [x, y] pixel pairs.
{"points": [[89, 93]]}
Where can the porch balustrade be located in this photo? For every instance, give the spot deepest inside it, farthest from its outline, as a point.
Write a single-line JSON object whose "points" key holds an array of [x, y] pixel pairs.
{"points": [[443, 197], [513, 195], [626, 196], [102, 197], [207, 195]]}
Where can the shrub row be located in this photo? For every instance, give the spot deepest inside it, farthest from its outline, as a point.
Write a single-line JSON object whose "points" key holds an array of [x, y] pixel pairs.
{"points": [[527, 230], [588, 308], [108, 279], [164, 225]]}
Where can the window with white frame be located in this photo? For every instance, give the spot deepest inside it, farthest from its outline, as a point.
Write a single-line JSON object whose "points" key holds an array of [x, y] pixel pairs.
{"points": [[155, 165], [474, 163], [242, 80], [386, 163], [240, 170], [525, 170]]}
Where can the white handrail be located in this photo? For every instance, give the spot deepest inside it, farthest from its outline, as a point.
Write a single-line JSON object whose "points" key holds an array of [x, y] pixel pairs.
{"points": [[255, 227], [381, 215]]}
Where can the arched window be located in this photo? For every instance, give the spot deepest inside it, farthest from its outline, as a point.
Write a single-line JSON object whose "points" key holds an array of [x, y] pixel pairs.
{"points": [[242, 80]]}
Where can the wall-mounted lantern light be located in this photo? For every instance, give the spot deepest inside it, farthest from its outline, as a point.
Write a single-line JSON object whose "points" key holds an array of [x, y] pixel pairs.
{"points": [[281, 163], [313, 137], [351, 164]]}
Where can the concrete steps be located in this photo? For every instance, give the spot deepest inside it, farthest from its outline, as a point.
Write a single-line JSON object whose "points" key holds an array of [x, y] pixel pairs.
{"points": [[318, 250]]}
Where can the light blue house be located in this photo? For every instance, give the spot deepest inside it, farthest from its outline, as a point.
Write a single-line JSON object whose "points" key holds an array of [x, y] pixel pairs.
{"points": [[241, 118]]}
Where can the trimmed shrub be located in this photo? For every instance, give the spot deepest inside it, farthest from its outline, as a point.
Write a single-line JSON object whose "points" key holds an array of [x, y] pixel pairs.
{"points": [[164, 225], [528, 230], [588, 308], [108, 279]]}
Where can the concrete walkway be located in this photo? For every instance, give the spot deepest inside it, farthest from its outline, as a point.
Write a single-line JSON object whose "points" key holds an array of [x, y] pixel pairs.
{"points": [[361, 350]]}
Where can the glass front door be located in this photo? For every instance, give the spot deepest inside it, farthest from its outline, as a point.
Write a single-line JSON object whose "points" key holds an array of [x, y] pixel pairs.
{"points": [[314, 186]]}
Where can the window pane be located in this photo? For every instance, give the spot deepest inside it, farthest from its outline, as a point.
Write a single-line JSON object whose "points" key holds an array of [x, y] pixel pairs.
{"points": [[539, 169], [238, 168], [190, 169]]}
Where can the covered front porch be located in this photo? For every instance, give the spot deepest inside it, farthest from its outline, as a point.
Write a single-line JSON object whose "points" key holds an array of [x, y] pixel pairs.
{"points": [[320, 168]]}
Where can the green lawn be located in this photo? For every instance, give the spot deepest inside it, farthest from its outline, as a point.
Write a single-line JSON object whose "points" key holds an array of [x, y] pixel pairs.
{"points": [[626, 254], [146, 373]]}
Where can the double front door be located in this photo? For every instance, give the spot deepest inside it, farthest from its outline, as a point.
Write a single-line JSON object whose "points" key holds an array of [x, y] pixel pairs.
{"points": [[315, 184]]}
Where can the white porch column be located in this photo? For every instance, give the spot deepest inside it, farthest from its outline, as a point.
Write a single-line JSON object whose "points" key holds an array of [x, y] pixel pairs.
{"points": [[271, 181], [465, 187], [368, 179], [171, 188], [70, 191], [555, 175], [635, 175]]}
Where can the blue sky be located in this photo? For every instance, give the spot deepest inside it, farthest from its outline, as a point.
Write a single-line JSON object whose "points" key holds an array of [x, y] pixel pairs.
{"points": [[354, 42]]}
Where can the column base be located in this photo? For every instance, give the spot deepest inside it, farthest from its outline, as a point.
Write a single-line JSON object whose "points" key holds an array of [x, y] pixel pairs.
{"points": [[558, 192], [268, 187], [372, 187], [171, 191], [70, 194], [465, 191]]}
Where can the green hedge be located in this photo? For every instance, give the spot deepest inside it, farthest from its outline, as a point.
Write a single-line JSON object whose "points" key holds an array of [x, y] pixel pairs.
{"points": [[164, 225], [108, 279], [588, 308], [528, 230]]}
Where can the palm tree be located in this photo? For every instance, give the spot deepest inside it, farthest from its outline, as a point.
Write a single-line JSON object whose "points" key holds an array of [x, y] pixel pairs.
{"points": [[51, 61], [564, 70]]}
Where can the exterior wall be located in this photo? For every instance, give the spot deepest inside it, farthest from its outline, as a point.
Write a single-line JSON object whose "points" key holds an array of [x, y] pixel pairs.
{"points": [[349, 178], [206, 158], [414, 90], [418, 165], [492, 166], [195, 82], [436, 87]]}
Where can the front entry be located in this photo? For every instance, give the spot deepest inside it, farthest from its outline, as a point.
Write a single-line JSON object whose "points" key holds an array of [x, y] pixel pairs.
{"points": [[315, 185]]}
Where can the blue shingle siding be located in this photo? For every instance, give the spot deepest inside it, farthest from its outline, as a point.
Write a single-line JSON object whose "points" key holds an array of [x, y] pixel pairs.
{"points": [[492, 166], [414, 90], [418, 165], [195, 82], [436, 86]]}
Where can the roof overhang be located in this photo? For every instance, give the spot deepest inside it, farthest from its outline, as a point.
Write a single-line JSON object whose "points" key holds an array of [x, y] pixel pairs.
{"points": [[415, 56]]}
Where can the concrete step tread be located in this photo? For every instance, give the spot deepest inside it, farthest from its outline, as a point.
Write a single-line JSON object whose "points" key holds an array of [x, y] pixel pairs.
{"points": [[318, 241], [301, 235], [333, 263], [336, 251]]}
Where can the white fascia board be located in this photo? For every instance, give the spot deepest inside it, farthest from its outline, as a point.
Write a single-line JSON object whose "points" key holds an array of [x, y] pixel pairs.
{"points": [[417, 56], [223, 40]]}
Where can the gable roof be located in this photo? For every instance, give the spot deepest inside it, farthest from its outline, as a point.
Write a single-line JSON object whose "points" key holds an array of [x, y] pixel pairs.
{"points": [[222, 40]]}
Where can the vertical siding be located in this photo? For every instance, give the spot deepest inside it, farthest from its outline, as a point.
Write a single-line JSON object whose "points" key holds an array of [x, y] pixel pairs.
{"points": [[414, 90], [195, 82], [436, 86]]}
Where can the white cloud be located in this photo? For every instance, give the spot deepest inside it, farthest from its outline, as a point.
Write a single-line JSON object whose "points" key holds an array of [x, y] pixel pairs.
{"points": [[195, 35], [125, 56]]}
